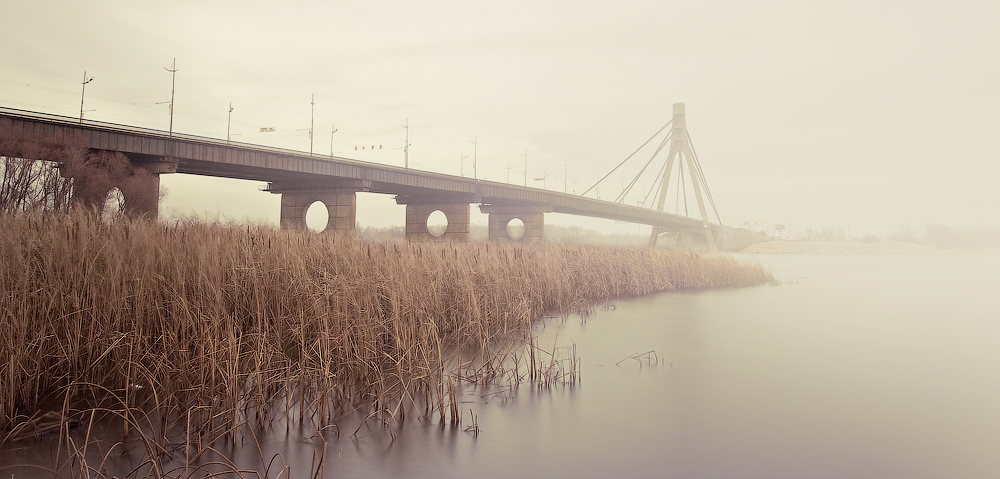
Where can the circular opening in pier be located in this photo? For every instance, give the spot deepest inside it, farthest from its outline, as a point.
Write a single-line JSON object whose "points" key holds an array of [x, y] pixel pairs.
{"points": [[437, 223], [113, 204], [515, 229], [317, 216]]}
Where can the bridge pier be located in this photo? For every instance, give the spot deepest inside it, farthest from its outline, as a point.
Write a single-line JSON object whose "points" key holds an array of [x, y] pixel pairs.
{"points": [[533, 217], [339, 196], [419, 209], [341, 207], [144, 200], [138, 182]]}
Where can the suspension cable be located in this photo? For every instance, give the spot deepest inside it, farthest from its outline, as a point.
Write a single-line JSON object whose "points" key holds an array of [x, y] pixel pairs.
{"points": [[655, 189], [651, 158], [701, 176], [682, 186], [629, 156]]}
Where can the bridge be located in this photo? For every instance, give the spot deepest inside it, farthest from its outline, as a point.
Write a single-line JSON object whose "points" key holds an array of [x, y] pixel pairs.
{"points": [[302, 179]]}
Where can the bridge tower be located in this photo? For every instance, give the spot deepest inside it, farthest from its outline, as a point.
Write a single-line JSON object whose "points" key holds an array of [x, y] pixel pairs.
{"points": [[680, 145]]}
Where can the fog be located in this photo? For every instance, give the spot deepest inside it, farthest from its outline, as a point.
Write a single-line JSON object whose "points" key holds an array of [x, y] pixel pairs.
{"points": [[843, 115]]}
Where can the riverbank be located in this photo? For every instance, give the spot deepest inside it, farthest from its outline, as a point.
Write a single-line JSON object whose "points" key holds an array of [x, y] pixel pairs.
{"points": [[201, 322]]}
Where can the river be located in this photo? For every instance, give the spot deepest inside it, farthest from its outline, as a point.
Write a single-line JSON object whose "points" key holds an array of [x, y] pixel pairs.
{"points": [[857, 366]]}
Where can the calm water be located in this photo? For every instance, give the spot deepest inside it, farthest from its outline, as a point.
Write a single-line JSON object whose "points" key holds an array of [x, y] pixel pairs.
{"points": [[862, 366]]}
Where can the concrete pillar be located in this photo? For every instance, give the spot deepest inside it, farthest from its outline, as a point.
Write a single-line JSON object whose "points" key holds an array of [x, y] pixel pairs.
{"points": [[141, 193], [144, 203], [341, 206], [456, 213], [533, 217]]}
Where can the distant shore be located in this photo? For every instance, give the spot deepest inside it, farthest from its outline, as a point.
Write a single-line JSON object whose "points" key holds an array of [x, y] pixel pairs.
{"points": [[857, 247]]}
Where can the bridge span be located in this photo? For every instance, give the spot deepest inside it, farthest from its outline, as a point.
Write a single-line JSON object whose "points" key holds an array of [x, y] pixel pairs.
{"points": [[301, 179]]}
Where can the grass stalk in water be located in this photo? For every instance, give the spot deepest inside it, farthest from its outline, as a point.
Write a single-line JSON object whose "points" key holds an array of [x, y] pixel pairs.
{"points": [[211, 324]]}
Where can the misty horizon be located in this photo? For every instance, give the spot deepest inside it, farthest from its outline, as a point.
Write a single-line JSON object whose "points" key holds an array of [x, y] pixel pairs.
{"points": [[852, 116]]}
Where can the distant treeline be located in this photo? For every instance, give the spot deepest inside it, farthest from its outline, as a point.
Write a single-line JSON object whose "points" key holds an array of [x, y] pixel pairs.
{"points": [[826, 233], [942, 236], [478, 233], [979, 236]]}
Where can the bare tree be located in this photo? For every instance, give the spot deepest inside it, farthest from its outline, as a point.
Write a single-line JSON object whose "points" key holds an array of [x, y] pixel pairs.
{"points": [[40, 176]]}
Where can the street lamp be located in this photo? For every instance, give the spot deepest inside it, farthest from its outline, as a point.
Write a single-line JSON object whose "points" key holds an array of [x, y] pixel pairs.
{"points": [[406, 145], [312, 121], [83, 91], [542, 179], [333, 129], [565, 176], [475, 146], [173, 84], [525, 155], [229, 123]]}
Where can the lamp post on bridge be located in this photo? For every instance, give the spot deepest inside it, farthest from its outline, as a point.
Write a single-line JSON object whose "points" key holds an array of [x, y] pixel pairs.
{"points": [[406, 145], [525, 155], [229, 123], [173, 84], [333, 129], [312, 121], [475, 149], [84, 91], [542, 179]]}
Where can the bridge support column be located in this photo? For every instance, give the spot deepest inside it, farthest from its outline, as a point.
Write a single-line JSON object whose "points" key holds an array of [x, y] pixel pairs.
{"points": [[143, 197], [340, 196], [419, 209], [144, 202], [341, 206], [500, 216]]}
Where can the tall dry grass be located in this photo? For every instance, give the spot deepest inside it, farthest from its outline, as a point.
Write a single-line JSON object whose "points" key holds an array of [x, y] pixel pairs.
{"points": [[209, 325]]}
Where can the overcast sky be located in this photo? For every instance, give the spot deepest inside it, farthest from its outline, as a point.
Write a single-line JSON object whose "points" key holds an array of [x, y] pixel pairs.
{"points": [[860, 113]]}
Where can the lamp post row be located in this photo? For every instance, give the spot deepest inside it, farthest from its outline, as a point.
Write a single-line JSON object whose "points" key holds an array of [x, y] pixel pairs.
{"points": [[312, 104], [173, 84]]}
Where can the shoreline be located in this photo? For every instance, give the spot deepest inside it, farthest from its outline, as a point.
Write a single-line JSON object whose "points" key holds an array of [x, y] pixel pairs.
{"points": [[215, 317]]}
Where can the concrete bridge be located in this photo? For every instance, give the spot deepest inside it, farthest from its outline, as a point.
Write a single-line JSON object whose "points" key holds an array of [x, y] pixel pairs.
{"points": [[301, 179]]}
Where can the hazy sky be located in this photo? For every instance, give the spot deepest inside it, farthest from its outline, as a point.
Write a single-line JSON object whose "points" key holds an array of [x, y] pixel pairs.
{"points": [[860, 113]]}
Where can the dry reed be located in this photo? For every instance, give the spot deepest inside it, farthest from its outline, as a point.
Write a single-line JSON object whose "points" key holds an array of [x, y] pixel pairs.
{"points": [[209, 326]]}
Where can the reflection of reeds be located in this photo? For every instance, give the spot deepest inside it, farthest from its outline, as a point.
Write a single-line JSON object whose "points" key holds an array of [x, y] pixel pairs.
{"points": [[212, 326]]}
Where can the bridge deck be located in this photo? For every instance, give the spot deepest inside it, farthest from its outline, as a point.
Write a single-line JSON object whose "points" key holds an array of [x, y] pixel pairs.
{"points": [[288, 169]]}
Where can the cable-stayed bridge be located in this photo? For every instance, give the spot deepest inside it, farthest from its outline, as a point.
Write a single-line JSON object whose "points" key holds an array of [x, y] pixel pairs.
{"points": [[303, 178]]}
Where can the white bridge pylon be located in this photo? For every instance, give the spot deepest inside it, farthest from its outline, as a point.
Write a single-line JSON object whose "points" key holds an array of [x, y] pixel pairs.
{"points": [[680, 144], [682, 152]]}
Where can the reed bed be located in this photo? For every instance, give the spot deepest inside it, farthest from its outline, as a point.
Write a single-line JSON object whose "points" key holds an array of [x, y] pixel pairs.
{"points": [[208, 325]]}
